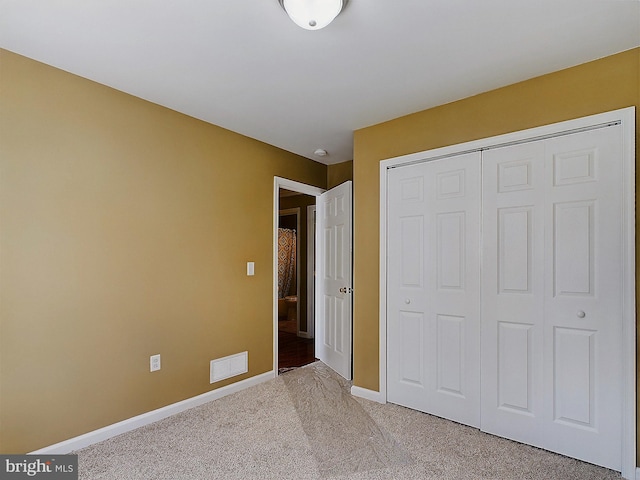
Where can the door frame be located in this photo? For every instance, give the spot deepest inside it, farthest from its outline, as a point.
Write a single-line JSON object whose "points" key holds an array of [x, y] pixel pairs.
{"points": [[311, 272], [626, 118], [294, 186]]}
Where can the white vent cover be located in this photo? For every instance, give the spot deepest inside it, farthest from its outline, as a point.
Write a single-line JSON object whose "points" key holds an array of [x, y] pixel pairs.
{"points": [[228, 366]]}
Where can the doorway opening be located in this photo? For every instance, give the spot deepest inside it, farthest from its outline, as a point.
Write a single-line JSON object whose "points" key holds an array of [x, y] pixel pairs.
{"points": [[294, 267], [332, 326], [295, 258]]}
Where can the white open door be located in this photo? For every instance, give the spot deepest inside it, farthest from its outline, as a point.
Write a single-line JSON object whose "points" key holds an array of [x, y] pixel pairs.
{"points": [[334, 279]]}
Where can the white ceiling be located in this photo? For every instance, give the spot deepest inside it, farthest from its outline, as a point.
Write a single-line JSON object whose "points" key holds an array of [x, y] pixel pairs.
{"points": [[243, 65]]}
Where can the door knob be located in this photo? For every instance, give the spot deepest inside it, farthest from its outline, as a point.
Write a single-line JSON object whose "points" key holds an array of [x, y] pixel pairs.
{"points": [[346, 290], [580, 314], [407, 301]]}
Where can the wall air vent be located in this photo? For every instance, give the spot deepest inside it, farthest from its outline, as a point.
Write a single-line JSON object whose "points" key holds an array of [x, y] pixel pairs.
{"points": [[228, 367]]}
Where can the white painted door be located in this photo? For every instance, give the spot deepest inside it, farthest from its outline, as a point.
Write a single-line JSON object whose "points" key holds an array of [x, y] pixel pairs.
{"points": [[513, 291], [433, 331], [552, 283], [583, 296], [334, 279]]}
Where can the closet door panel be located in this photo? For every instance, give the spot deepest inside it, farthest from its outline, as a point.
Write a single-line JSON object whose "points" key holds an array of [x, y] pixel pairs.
{"points": [[454, 211], [583, 300], [551, 298], [512, 292], [433, 288], [409, 329]]}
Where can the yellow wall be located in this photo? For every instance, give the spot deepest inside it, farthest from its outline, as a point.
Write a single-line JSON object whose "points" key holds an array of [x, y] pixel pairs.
{"points": [[606, 84], [339, 173], [118, 241]]}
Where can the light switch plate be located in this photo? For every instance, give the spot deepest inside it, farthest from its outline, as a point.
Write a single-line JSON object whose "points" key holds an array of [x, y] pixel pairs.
{"points": [[250, 268], [154, 363]]}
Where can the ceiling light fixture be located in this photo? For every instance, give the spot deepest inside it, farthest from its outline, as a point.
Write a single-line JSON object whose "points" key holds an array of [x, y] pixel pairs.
{"points": [[321, 152], [312, 14]]}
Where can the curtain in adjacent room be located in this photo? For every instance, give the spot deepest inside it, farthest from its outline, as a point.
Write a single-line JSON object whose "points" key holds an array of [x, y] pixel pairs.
{"points": [[286, 261]]}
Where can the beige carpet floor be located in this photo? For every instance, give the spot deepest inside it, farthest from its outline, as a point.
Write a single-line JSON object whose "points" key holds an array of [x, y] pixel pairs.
{"points": [[305, 425]]}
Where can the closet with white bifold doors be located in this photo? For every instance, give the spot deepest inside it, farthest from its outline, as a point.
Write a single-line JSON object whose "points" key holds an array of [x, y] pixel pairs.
{"points": [[507, 279]]}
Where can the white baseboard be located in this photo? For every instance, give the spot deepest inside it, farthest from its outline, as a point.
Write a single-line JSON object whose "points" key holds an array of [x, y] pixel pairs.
{"points": [[138, 421], [638, 473], [368, 394]]}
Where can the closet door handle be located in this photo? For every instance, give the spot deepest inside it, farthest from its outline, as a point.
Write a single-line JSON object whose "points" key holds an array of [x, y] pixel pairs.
{"points": [[581, 314]]}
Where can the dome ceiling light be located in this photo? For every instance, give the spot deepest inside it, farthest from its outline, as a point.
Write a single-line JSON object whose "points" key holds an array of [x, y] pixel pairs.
{"points": [[312, 14], [321, 152]]}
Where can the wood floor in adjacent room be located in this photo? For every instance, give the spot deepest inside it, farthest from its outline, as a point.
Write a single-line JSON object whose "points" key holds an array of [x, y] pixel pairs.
{"points": [[293, 351]]}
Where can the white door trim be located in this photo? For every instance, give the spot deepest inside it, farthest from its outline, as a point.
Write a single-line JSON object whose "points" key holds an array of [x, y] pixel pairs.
{"points": [[626, 117], [278, 183]]}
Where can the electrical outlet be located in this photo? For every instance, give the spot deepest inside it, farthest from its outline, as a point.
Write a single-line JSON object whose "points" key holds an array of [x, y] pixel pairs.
{"points": [[154, 362]]}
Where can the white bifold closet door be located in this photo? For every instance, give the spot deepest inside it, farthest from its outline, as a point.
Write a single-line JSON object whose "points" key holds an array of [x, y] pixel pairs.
{"points": [[551, 297], [434, 292], [504, 281]]}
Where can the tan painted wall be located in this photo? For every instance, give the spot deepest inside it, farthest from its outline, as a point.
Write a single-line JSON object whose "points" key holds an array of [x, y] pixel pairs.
{"points": [[606, 84], [339, 173], [118, 241]]}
